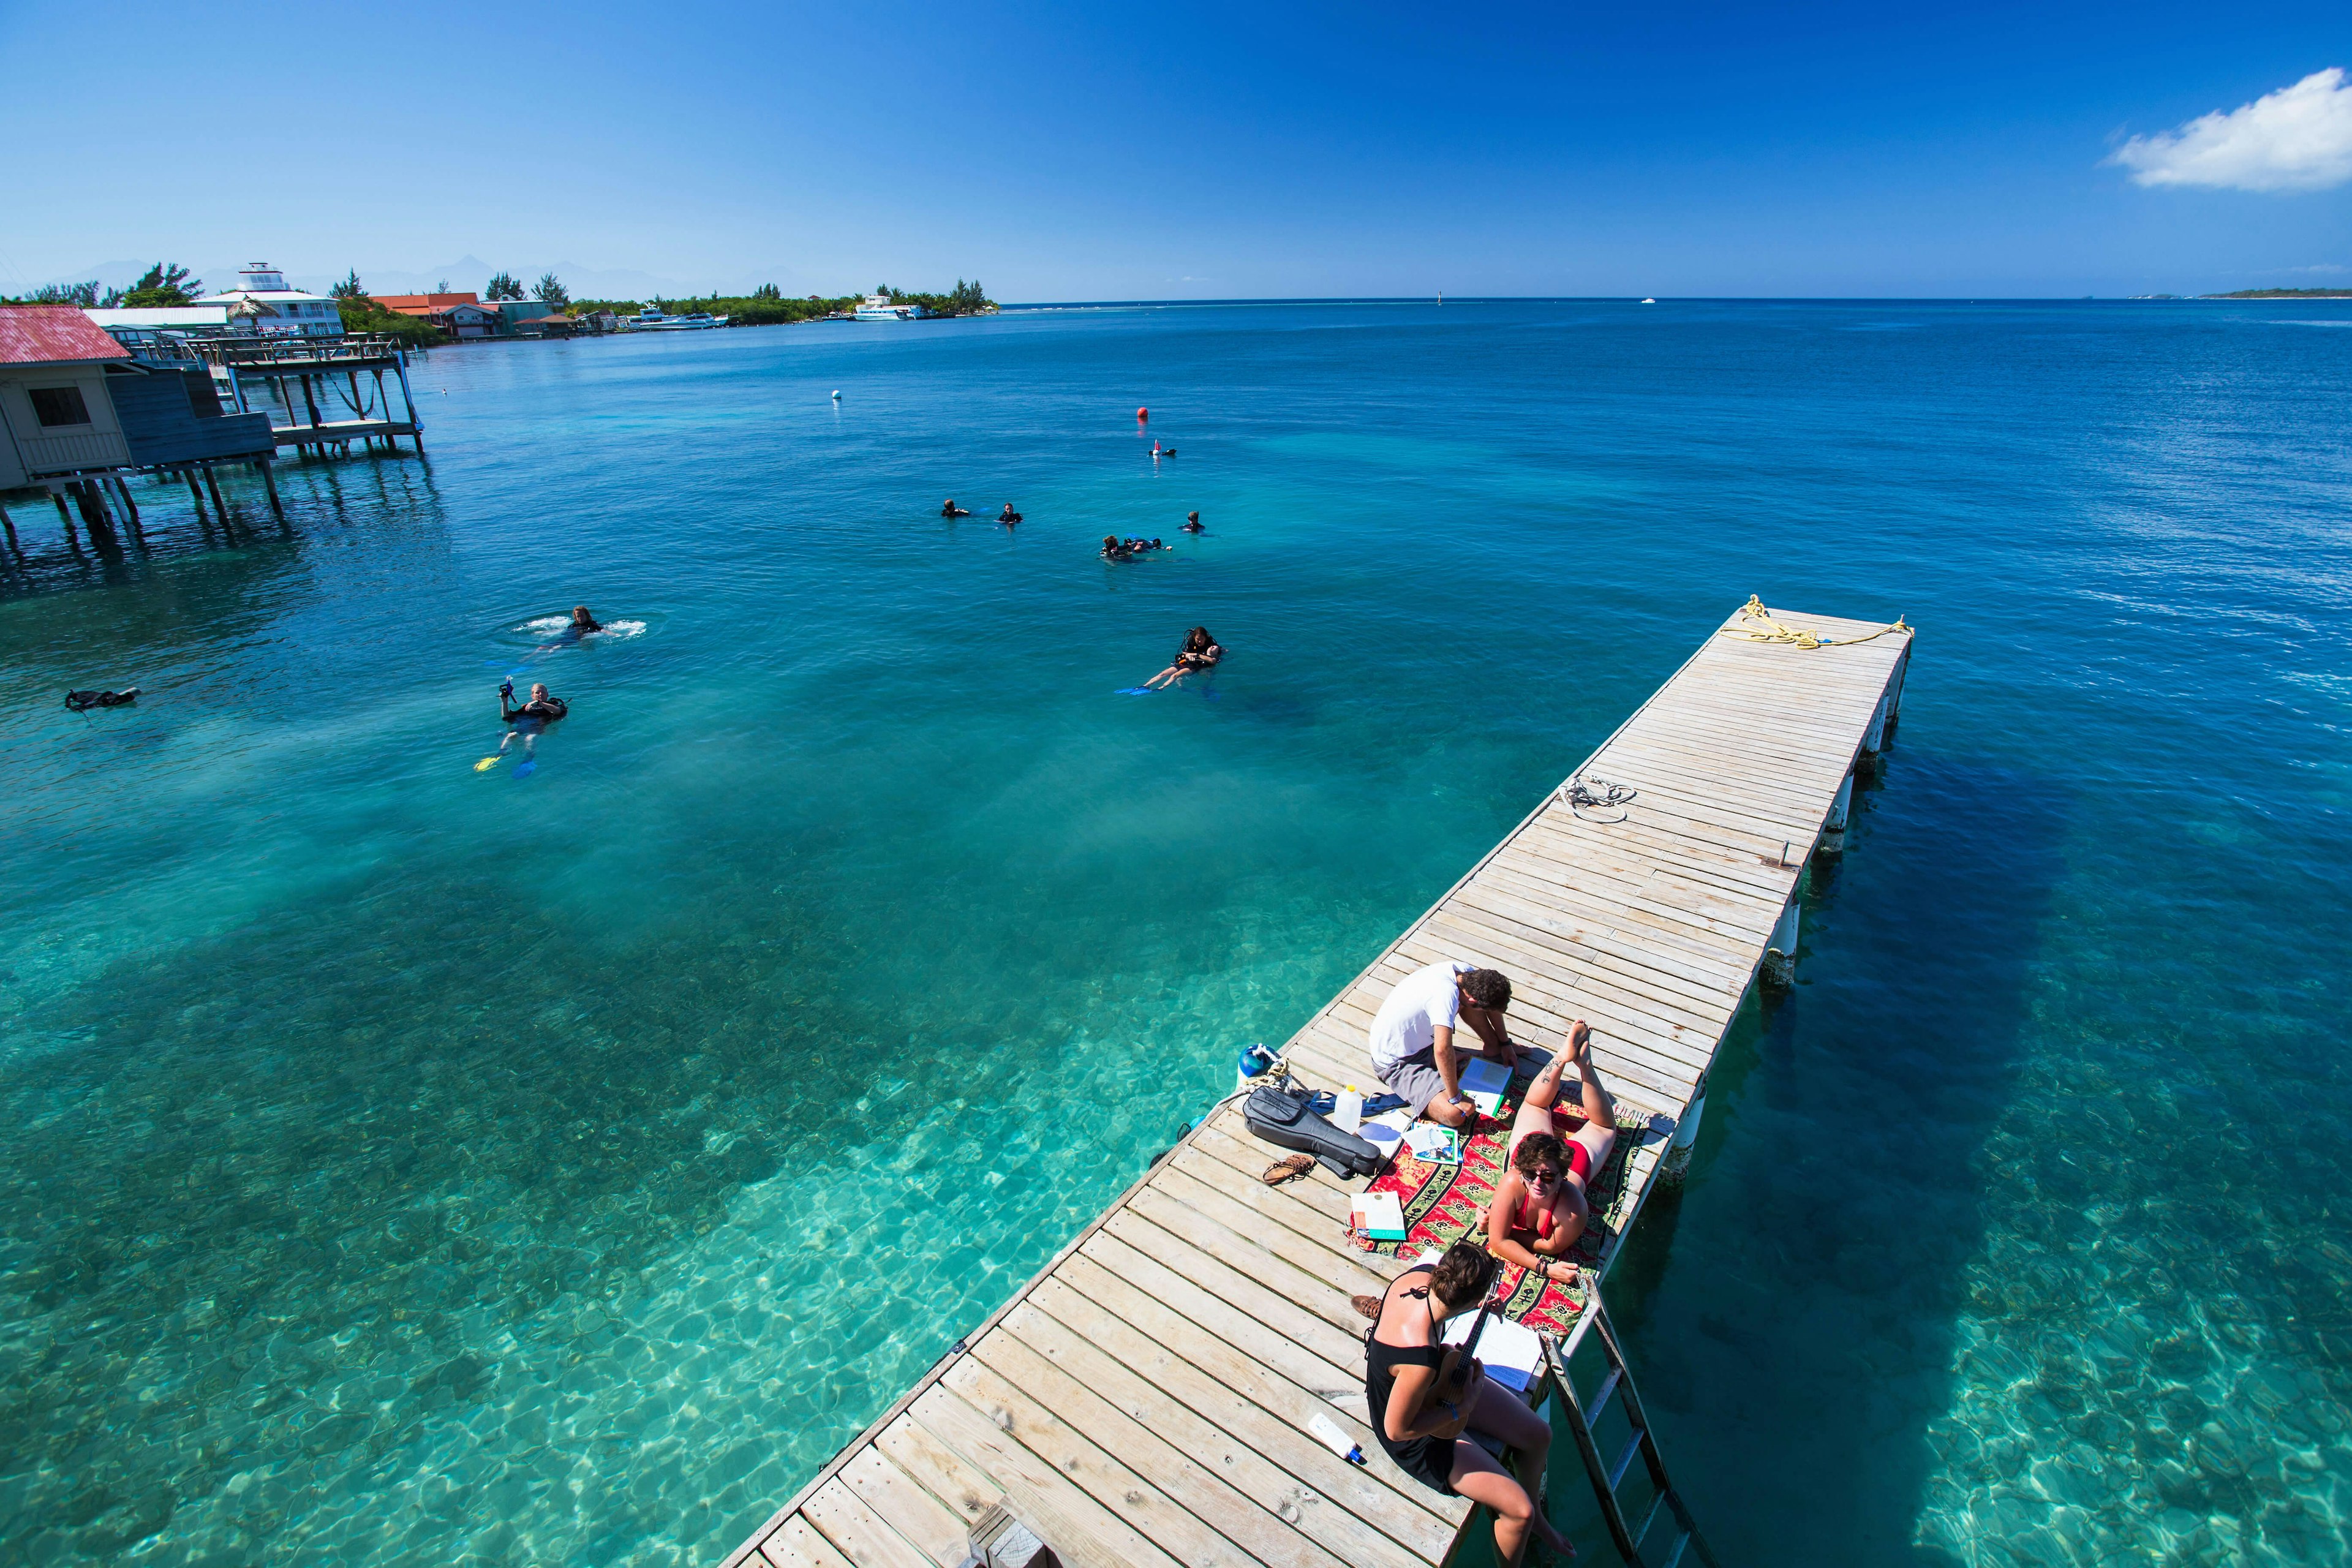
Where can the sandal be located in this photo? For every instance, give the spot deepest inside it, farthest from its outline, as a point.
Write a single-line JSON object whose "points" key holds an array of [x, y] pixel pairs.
{"points": [[1288, 1170], [1366, 1307]]}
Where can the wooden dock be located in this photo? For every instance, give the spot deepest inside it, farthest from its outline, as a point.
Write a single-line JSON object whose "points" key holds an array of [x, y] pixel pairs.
{"points": [[1146, 1399]]}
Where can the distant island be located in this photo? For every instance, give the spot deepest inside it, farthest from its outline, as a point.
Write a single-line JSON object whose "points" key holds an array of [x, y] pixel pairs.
{"points": [[2283, 294]]}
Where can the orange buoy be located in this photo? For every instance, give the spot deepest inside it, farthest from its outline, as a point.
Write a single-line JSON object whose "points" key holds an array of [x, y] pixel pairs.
{"points": [[1143, 414]]}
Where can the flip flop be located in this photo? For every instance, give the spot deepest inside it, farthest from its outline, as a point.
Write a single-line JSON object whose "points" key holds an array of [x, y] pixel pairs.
{"points": [[1288, 1170]]}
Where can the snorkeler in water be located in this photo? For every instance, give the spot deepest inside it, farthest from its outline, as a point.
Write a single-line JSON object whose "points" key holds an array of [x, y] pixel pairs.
{"points": [[582, 624], [1114, 548], [1008, 515], [526, 719], [1200, 652], [1192, 522], [949, 509]]}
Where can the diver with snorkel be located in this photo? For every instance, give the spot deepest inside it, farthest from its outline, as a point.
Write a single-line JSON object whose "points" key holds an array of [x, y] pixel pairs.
{"points": [[527, 720]]}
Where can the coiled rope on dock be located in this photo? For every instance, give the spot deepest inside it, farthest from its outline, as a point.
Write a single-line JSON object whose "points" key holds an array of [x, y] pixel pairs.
{"points": [[1581, 799], [1753, 610]]}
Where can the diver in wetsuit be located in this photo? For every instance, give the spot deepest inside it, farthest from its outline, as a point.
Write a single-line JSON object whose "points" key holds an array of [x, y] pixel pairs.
{"points": [[950, 509], [529, 719]]}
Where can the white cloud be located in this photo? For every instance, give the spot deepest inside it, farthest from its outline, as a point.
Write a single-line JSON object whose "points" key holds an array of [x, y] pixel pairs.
{"points": [[2297, 139]]}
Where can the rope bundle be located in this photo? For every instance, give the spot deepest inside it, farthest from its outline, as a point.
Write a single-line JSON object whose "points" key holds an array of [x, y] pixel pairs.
{"points": [[1753, 610]]}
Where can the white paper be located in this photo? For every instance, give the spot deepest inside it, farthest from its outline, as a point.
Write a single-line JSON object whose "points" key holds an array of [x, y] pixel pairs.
{"points": [[1512, 1352]]}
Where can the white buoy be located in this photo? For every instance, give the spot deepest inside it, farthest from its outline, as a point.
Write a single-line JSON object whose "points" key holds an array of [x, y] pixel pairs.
{"points": [[1649, 302], [836, 394]]}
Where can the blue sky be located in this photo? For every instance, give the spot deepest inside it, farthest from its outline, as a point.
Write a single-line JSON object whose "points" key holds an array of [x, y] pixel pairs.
{"points": [[1098, 151]]}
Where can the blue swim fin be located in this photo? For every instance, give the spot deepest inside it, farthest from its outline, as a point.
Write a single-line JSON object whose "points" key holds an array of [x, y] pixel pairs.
{"points": [[525, 771], [1135, 690]]}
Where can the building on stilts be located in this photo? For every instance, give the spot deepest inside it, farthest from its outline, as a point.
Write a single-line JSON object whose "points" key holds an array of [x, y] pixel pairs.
{"points": [[81, 414]]}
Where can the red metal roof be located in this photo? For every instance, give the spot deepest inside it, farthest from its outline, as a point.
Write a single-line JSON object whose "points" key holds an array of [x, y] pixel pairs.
{"points": [[42, 334]]}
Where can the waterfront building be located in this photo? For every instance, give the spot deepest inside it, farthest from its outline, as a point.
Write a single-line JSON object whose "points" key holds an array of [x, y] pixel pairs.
{"points": [[277, 310], [79, 411], [458, 316]]}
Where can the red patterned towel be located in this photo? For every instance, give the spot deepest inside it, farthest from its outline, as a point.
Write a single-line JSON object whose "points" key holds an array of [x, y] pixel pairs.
{"points": [[1442, 1204]]}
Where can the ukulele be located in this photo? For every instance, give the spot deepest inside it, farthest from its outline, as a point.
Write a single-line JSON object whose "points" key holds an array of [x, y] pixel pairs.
{"points": [[1459, 1364]]}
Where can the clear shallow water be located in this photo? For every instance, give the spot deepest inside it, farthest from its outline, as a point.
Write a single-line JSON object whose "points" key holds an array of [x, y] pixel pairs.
{"points": [[410, 1164]]}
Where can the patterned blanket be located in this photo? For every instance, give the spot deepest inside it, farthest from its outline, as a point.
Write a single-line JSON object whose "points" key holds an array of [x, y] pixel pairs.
{"points": [[1442, 1204]]}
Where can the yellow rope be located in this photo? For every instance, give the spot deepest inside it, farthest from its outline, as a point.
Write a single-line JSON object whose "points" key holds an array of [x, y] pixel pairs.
{"points": [[1753, 610]]}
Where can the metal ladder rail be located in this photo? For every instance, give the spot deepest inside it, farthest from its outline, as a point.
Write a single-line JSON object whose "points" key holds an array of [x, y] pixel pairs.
{"points": [[1606, 1478]]}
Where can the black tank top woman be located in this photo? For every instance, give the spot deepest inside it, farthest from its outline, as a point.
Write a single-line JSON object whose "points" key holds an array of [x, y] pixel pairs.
{"points": [[1429, 1460]]}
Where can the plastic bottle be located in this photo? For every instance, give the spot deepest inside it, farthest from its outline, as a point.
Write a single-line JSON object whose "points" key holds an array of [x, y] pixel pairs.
{"points": [[1339, 1442], [1348, 1109]]}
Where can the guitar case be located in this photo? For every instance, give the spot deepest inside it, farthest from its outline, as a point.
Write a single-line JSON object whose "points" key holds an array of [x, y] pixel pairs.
{"points": [[1280, 1116]]}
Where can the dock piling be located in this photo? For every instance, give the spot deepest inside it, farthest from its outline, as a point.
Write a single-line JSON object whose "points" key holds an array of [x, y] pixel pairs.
{"points": [[1675, 1164], [269, 483], [1833, 825], [9, 524], [1779, 967]]}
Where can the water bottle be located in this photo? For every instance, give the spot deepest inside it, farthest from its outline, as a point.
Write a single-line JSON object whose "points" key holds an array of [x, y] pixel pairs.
{"points": [[1348, 1109]]}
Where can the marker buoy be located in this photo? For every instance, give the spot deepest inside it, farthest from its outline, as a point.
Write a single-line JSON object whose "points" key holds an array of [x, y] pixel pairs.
{"points": [[836, 396], [1143, 414]]}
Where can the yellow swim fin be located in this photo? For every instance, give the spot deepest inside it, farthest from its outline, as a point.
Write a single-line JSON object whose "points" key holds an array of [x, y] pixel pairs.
{"points": [[487, 764]]}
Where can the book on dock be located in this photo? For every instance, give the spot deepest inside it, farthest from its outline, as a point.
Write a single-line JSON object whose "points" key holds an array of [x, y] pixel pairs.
{"points": [[1379, 1216], [1485, 1082]]}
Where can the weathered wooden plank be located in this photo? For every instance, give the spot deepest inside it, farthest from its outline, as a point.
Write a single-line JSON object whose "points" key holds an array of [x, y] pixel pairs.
{"points": [[927, 1524], [796, 1545], [1080, 1530], [1330, 1501], [859, 1533], [966, 1492], [1101, 1475], [1314, 1352], [1199, 1475], [1215, 1339]]}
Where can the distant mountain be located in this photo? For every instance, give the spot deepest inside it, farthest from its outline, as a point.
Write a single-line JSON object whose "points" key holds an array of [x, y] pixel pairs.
{"points": [[2283, 294]]}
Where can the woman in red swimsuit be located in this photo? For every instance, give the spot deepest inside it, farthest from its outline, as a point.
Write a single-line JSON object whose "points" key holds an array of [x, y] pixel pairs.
{"points": [[1539, 1209]]}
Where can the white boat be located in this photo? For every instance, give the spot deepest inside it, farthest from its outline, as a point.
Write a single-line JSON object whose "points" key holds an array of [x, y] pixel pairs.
{"points": [[880, 308], [650, 319]]}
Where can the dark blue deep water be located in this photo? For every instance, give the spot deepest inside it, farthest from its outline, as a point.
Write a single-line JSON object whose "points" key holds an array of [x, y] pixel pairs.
{"points": [[412, 1164]]}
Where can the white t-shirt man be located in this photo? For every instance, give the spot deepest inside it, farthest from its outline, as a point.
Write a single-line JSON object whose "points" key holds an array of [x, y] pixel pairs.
{"points": [[1423, 1003]]}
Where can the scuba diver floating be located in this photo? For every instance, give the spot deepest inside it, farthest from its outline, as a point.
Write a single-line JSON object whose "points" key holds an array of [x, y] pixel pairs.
{"points": [[528, 720], [1199, 652]]}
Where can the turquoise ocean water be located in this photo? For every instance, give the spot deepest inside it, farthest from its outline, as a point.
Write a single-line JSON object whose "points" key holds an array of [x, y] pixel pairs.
{"points": [[407, 1164]]}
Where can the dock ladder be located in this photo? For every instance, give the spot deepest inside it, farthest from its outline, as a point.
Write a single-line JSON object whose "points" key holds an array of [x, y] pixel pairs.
{"points": [[1582, 1417]]}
